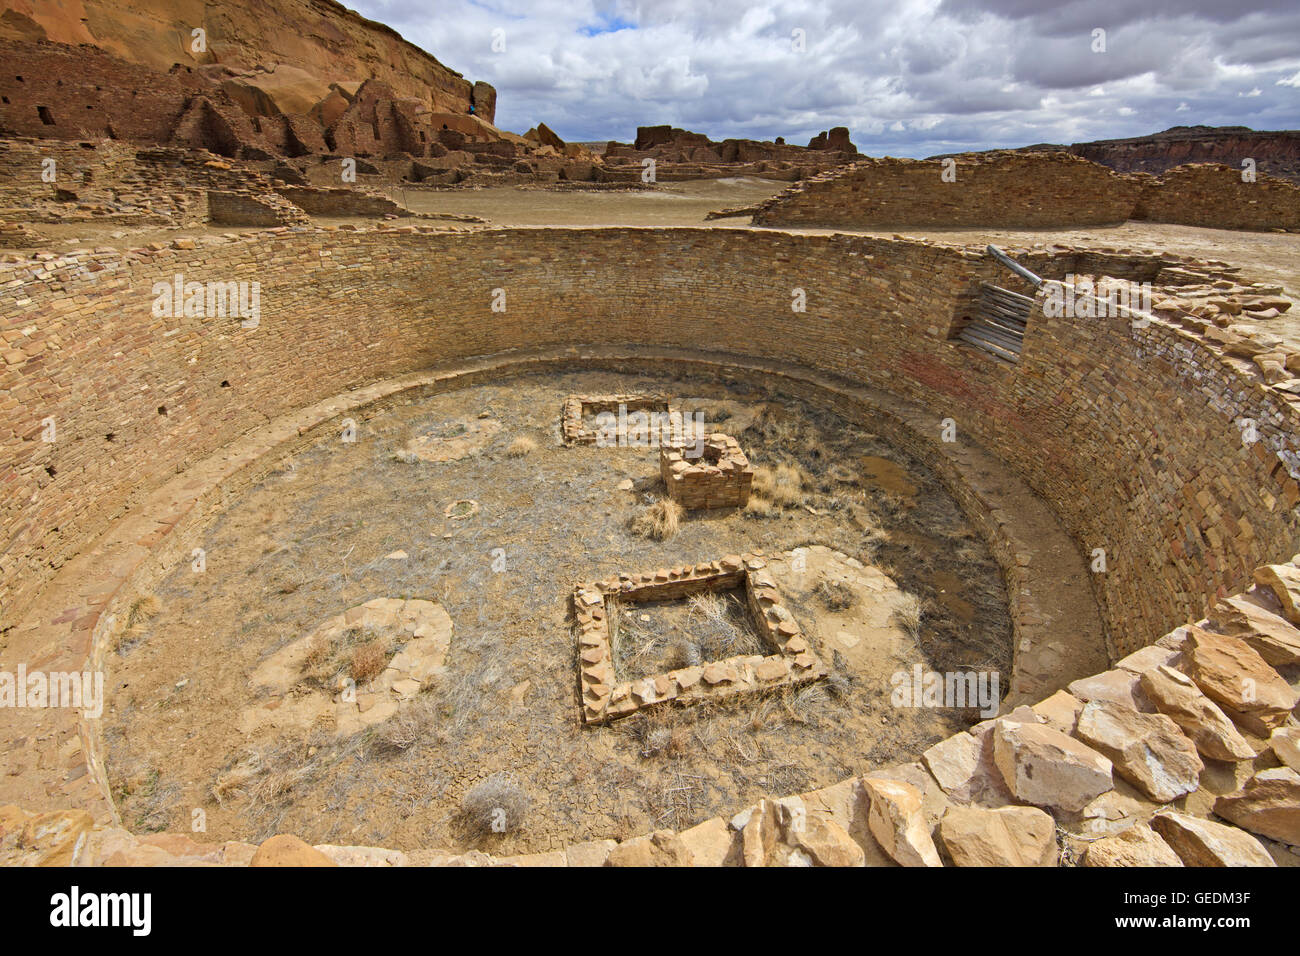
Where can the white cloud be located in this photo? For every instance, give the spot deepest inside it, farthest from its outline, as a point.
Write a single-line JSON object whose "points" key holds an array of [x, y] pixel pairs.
{"points": [[908, 77]]}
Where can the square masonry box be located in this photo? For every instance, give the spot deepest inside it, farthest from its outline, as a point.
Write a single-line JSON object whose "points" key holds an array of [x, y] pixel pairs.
{"points": [[721, 477], [633, 420], [596, 611]]}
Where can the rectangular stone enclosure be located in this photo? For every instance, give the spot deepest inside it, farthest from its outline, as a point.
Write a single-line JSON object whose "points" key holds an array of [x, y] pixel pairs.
{"points": [[622, 415], [595, 608], [719, 478]]}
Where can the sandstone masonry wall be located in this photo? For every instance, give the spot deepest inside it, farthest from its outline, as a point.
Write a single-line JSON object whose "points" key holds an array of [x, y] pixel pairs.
{"points": [[1211, 194], [1011, 190], [1130, 434], [107, 181], [1014, 190]]}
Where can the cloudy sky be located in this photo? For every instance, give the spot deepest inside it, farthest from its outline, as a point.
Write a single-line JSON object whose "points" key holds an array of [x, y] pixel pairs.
{"points": [[908, 77]]}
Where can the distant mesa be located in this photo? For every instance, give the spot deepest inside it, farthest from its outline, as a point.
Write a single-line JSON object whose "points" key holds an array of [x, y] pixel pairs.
{"points": [[1275, 152]]}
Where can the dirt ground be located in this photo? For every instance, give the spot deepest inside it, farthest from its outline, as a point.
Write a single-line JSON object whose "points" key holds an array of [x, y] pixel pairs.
{"points": [[668, 204], [499, 536]]}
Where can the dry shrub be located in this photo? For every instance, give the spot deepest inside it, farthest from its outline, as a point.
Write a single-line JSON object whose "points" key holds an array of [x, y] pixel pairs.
{"points": [[836, 595], [360, 653], [522, 446], [800, 704], [319, 653], [782, 485], [146, 799], [840, 681], [909, 614], [682, 652], [662, 733], [142, 609], [411, 724], [764, 713], [137, 619], [839, 684], [368, 661], [494, 805], [713, 626], [235, 781], [659, 521], [267, 776]]}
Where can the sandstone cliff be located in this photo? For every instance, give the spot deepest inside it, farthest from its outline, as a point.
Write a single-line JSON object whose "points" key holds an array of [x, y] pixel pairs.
{"points": [[288, 52]]}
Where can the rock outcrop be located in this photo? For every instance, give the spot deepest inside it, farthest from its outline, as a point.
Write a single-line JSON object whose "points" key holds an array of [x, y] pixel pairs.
{"points": [[1148, 750], [1276, 152], [1206, 843], [254, 82], [280, 55], [1008, 836], [1139, 845]]}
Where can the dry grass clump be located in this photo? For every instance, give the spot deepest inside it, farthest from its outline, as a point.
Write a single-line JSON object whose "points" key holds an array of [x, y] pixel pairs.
{"points": [[411, 724], [659, 521], [840, 681], [682, 652], [147, 799], [271, 774], [142, 609], [801, 703], [781, 486], [521, 447], [319, 652], [358, 653], [909, 614], [494, 805], [235, 781], [367, 661], [661, 733], [137, 619], [766, 715], [714, 625], [836, 595]]}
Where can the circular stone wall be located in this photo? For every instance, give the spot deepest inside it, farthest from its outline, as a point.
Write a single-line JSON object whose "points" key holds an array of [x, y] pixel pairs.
{"points": [[1132, 435]]}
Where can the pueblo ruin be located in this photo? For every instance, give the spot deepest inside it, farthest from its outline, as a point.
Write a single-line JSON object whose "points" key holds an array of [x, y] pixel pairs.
{"points": [[423, 492]]}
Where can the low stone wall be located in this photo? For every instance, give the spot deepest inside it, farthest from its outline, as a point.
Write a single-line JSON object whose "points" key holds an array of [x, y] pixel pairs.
{"points": [[1001, 189], [595, 612], [1013, 190], [249, 209], [340, 202], [1214, 195]]}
